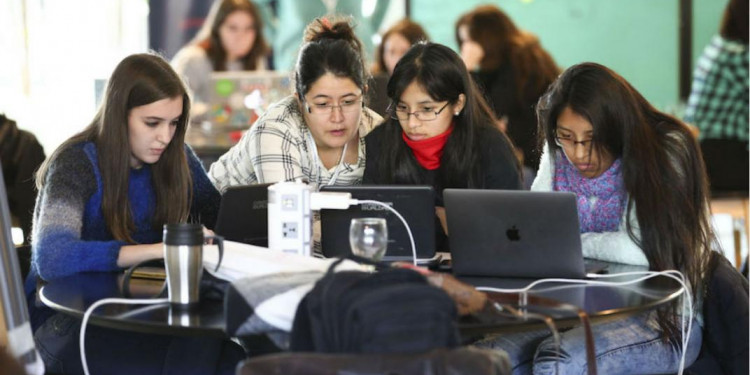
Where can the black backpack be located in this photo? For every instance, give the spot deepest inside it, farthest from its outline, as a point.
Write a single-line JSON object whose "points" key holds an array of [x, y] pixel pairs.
{"points": [[394, 310]]}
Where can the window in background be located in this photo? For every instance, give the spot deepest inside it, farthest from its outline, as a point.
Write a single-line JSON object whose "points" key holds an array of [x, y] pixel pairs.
{"points": [[52, 53]]}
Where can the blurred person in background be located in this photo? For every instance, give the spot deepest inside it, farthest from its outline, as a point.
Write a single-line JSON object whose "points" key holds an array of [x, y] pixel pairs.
{"points": [[231, 39], [513, 69], [718, 102], [394, 43]]}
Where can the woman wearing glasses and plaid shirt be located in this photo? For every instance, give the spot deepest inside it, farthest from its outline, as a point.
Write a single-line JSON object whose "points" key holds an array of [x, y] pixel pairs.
{"points": [[440, 131], [318, 133]]}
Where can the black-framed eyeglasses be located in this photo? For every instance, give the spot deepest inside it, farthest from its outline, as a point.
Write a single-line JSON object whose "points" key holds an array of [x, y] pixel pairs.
{"points": [[346, 106], [569, 143], [422, 115]]}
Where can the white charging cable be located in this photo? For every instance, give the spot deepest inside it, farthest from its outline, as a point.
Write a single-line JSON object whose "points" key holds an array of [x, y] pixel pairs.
{"points": [[687, 300], [687, 303], [105, 301], [408, 230]]}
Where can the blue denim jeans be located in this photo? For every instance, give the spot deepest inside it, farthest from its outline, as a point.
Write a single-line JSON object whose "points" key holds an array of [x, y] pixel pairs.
{"points": [[111, 351], [627, 346]]}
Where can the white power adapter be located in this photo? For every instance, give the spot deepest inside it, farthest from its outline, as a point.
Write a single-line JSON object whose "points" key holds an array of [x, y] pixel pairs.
{"points": [[290, 206], [289, 217]]}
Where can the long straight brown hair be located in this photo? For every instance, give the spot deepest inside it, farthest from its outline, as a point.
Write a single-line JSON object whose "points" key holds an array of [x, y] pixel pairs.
{"points": [[662, 168], [138, 80], [210, 40]]}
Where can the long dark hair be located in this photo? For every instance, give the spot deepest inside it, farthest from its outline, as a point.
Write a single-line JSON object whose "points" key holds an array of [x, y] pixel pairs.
{"points": [[443, 75], [662, 168], [138, 80], [410, 30], [330, 47], [212, 42], [504, 44], [734, 22]]}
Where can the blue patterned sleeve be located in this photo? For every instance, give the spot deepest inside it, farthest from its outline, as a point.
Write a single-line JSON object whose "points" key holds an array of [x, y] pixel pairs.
{"points": [[58, 249], [206, 199]]}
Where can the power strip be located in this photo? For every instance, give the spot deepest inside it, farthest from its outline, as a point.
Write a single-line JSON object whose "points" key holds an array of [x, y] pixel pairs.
{"points": [[289, 217]]}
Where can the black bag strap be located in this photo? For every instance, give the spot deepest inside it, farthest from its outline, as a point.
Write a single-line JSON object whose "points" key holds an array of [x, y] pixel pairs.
{"points": [[507, 300]]}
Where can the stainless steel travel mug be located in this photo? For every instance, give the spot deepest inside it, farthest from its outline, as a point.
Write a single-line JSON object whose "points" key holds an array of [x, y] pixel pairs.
{"points": [[183, 260]]}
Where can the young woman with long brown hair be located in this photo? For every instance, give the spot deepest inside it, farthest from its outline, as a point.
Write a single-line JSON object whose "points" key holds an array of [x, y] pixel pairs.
{"points": [[104, 197], [231, 39]]}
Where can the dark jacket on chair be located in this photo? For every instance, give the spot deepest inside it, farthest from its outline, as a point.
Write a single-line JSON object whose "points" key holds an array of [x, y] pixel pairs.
{"points": [[20, 154], [725, 314]]}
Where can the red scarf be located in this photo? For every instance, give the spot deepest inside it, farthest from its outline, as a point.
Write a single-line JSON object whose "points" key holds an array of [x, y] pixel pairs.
{"points": [[429, 151]]}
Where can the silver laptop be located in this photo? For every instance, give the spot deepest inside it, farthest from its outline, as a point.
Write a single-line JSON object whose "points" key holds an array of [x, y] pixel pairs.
{"points": [[237, 99], [514, 233]]}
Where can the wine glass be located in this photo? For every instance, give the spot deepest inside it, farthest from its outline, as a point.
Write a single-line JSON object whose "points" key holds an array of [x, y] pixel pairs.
{"points": [[368, 237]]}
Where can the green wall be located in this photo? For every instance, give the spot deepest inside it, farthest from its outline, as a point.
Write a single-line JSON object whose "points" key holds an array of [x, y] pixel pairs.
{"points": [[637, 38]]}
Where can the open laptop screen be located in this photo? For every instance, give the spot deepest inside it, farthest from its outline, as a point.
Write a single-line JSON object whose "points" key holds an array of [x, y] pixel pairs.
{"points": [[415, 203], [237, 99], [243, 214]]}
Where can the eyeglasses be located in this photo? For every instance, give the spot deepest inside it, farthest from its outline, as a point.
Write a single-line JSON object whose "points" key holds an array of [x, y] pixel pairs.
{"points": [[569, 143], [427, 114], [346, 106]]}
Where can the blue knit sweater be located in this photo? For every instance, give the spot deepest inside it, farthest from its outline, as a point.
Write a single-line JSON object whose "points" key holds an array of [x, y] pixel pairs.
{"points": [[70, 234]]}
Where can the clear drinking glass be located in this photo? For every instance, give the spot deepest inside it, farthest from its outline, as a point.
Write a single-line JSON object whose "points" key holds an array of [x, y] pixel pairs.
{"points": [[368, 237]]}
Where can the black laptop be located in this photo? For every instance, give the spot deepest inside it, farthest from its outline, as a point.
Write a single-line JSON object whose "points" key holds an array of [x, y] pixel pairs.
{"points": [[514, 233], [243, 214], [415, 203]]}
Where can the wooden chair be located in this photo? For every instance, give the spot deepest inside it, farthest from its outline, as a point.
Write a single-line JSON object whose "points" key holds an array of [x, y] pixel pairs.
{"points": [[734, 204]]}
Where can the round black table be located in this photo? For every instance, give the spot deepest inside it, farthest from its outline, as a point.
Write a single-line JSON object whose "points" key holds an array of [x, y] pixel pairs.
{"points": [[74, 294], [601, 303]]}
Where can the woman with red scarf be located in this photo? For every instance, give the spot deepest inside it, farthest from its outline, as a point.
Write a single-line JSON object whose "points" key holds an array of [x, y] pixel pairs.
{"points": [[440, 131]]}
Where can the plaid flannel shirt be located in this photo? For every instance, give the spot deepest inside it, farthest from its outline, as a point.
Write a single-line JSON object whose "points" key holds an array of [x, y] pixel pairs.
{"points": [[718, 103], [278, 148]]}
